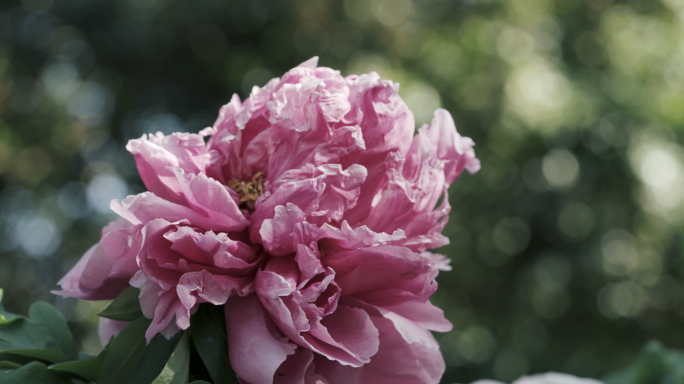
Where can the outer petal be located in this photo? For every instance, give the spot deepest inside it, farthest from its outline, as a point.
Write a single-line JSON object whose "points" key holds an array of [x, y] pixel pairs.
{"points": [[108, 328], [145, 207], [399, 362], [382, 275], [105, 269], [224, 145], [162, 307], [415, 184], [387, 126], [452, 147], [414, 320], [255, 345], [347, 335], [386, 120], [157, 155]]}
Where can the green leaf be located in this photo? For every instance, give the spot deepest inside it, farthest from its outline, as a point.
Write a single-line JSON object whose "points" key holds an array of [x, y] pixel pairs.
{"points": [[675, 360], [6, 317], [8, 365], [32, 373], [654, 365], [125, 351], [650, 367], [153, 360], [126, 306], [21, 360], [209, 335], [621, 377], [45, 332], [39, 354], [177, 369], [88, 368]]}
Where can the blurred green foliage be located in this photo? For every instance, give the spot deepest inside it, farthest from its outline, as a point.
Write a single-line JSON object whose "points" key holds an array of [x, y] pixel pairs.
{"points": [[566, 247]]}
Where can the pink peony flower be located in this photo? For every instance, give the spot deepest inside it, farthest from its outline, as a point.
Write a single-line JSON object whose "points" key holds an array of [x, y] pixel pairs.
{"points": [[308, 213]]}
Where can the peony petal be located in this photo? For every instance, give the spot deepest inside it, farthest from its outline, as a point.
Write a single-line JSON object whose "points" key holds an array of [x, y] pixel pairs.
{"points": [[108, 328], [281, 234], [256, 347], [295, 368], [157, 155], [145, 207], [351, 330], [203, 285], [382, 275], [399, 362], [347, 238], [422, 314], [165, 305], [114, 258], [450, 146], [212, 199], [336, 373], [323, 193], [105, 269], [416, 332]]}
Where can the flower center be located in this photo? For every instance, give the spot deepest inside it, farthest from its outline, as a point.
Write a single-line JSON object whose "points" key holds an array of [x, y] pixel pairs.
{"points": [[249, 191]]}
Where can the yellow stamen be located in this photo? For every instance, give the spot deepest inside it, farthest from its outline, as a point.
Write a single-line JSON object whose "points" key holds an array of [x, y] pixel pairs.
{"points": [[249, 191]]}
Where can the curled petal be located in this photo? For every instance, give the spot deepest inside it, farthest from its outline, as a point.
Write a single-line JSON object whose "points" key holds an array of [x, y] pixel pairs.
{"points": [[323, 193], [450, 146], [288, 228]]}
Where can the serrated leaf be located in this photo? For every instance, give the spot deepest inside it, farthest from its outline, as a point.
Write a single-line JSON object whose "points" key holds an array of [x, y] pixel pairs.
{"points": [[45, 332], [32, 373], [209, 335], [125, 351], [177, 369], [153, 360], [88, 368], [125, 307]]}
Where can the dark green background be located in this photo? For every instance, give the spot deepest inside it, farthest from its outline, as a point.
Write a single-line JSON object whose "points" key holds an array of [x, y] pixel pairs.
{"points": [[565, 247]]}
